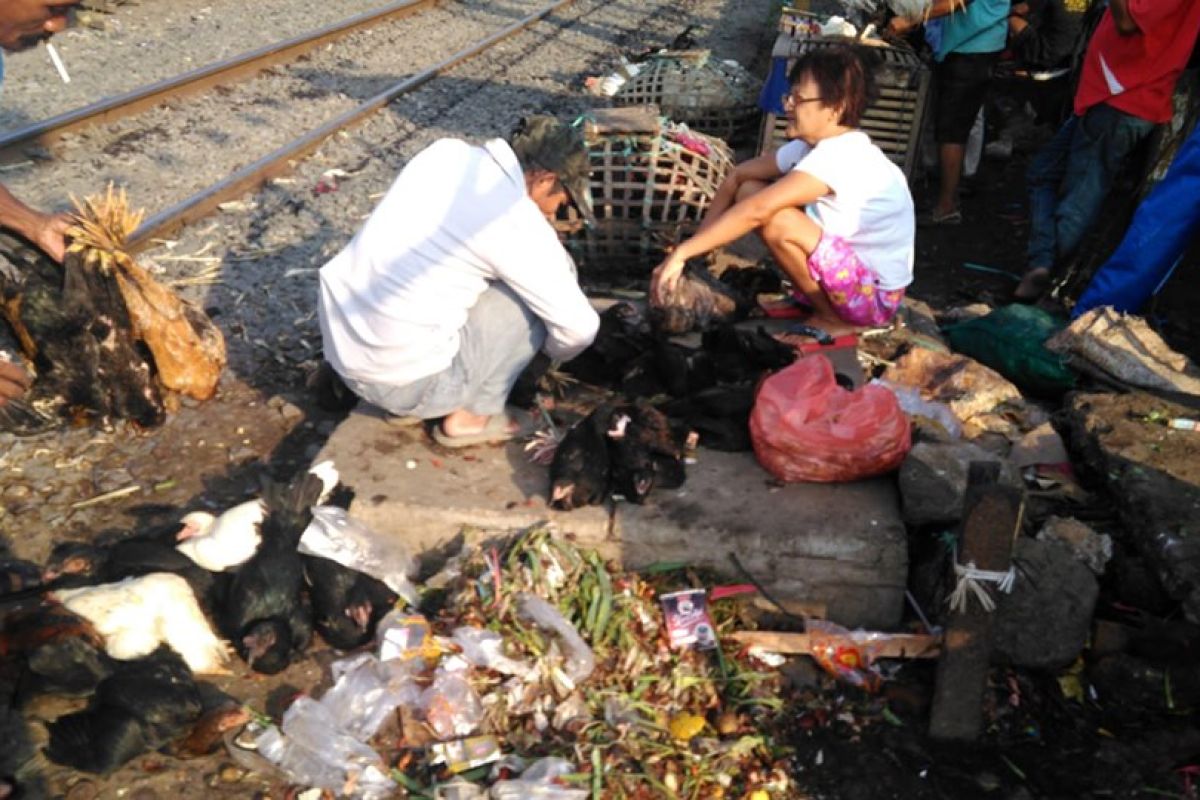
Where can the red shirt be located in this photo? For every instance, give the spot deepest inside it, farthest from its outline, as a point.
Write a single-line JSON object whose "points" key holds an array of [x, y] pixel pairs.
{"points": [[1137, 73]]}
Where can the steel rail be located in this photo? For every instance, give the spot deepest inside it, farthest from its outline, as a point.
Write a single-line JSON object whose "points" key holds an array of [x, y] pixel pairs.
{"points": [[281, 161], [110, 109]]}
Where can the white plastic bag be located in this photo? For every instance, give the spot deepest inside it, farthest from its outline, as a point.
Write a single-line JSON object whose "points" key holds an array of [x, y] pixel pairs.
{"points": [[537, 783], [366, 692], [484, 648], [333, 534], [578, 660]]}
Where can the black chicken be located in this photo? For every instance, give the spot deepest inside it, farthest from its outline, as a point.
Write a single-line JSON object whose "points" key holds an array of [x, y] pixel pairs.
{"points": [[20, 776], [346, 604], [73, 564], [141, 706], [54, 650], [623, 335], [73, 327], [698, 300], [265, 611], [643, 452], [579, 473], [740, 356], [720, 415]]}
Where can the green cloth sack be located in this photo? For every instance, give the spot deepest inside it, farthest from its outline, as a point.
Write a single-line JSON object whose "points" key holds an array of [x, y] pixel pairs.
{"points": [[1011, 340]]}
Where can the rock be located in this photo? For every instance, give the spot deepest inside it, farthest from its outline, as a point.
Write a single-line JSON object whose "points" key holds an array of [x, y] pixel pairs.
{"points": [[1153, 475], [108, 480], [17, 492], [1045, 621], [1042, 445], [291, 413], [1093, 549], [933, 480], [1138, 684]]}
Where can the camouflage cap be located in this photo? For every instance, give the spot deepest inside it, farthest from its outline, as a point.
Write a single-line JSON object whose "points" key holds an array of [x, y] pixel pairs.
{"points": [[543, 142]]}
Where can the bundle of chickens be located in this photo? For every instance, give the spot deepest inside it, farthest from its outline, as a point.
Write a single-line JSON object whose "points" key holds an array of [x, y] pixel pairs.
{"points": [[681, 395], [103, 339], [163, 606]]}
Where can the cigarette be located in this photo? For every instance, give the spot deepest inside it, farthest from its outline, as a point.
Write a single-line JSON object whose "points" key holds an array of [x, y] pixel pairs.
{"points": [[58, 63]]}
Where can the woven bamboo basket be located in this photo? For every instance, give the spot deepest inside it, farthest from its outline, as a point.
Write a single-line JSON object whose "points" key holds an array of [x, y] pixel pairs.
{"points": [[893, 121], [651, 183], [714, 97]]}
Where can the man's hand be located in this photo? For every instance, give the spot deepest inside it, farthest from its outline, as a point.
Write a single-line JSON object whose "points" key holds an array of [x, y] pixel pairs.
{"points": [[900, 26], [50, 235], [24, 22], [14, 381], [665, 276]]}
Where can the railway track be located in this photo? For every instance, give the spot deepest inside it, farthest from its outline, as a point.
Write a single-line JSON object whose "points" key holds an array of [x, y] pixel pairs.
{"points": [[48, 132], [125, 124]]}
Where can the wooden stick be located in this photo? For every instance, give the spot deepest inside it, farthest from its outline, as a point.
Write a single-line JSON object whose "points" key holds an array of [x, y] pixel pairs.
{"points": [[990, 525], [895, 645]]}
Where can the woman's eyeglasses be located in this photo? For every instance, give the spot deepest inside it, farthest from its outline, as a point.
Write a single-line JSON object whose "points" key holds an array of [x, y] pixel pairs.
{"points": [[790, 99]]}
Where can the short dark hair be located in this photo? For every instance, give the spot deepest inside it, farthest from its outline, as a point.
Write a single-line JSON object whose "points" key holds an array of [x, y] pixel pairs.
{"points": [[845, 78]]}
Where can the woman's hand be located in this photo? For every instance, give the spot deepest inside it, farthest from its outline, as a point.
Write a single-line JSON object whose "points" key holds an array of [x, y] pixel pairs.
{"points": [[665, 276]]}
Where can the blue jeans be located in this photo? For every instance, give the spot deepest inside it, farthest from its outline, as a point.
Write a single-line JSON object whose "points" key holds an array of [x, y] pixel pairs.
{"points": [[501, 336], [1070, 177]]}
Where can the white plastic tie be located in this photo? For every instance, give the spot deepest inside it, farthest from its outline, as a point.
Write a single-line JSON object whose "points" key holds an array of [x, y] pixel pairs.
{"points": [[970, 582]]}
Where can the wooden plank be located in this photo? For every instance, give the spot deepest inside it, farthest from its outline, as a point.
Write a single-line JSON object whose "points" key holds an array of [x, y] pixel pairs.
{"points": [[990, 526], [895, 645]]}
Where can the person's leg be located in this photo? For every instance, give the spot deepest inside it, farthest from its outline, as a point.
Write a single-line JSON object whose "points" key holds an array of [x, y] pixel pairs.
{"points": [[962, 80], [791, 235], [501, 337], [1104, 140], [1044, 179]]}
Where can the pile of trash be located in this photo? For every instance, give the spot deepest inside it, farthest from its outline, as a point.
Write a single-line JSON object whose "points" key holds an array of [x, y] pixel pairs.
{"points": [[546, 673]]}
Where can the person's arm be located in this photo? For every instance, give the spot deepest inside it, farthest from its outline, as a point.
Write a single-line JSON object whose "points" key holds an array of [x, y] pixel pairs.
{"points": [[527, 256], [14, 380], [44, 230], [764, 168], [1126, 24], [23, 22], [795, 190]]}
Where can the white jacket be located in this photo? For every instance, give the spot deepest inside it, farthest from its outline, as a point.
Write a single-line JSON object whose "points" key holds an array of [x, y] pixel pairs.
{"points": [[393, 301]]}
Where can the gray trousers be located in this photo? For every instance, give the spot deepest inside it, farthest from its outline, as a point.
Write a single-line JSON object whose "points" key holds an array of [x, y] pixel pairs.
{"points": [[501, 336]]}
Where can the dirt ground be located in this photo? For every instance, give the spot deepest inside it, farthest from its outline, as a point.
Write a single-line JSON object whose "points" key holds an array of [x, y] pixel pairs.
{"points": [[847, 745]]}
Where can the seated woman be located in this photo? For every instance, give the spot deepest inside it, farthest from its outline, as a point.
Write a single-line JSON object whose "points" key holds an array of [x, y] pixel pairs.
{"points": [[835, 212]]}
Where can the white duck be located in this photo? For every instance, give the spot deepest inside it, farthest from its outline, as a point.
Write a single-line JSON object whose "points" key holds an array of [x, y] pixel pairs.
{"points": [[136, 615], [218, 543]]}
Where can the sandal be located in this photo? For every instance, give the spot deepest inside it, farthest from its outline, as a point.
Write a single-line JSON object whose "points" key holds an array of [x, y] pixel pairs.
{"points": [[496, 431], [935, 220]]}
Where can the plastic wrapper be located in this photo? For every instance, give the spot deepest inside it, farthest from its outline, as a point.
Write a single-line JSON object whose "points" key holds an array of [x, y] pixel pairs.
{"points": [[688, 621], [333, 534], [804, 427], [914, 405], [464, 754], [405, 637], [310, 749], [538, 783], [846, 654], [578, 658], [484, 648], [366, 692], [452, 708]]}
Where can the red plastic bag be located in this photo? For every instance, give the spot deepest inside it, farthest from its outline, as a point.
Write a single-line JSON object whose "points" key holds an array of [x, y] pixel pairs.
{"points": [[805, 427]]}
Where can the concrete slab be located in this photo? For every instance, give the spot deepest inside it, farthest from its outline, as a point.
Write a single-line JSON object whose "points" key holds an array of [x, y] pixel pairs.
{"points": [[840, 545]]}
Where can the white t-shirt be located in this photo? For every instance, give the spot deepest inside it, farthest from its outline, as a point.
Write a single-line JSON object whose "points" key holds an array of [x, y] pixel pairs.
{"points": [[870, 207], [457, 217]]}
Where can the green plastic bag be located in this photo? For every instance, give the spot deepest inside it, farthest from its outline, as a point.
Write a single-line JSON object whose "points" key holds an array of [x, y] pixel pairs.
{"points": [[1011, 340]]}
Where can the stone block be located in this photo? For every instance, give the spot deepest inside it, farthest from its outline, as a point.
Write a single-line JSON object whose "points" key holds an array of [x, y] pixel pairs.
{"points": [[933, 480], [838, 545]]}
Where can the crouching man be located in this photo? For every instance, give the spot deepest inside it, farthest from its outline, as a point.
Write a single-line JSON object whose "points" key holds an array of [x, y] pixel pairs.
{"points": [[458, 279]]}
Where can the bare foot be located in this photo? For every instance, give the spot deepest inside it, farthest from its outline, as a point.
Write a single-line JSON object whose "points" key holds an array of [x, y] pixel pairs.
{"points": [[464, 423], [1032, 286]]}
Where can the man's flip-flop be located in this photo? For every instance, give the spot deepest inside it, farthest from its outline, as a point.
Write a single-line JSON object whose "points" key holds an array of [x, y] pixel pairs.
{"points": [[496, 431]]}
